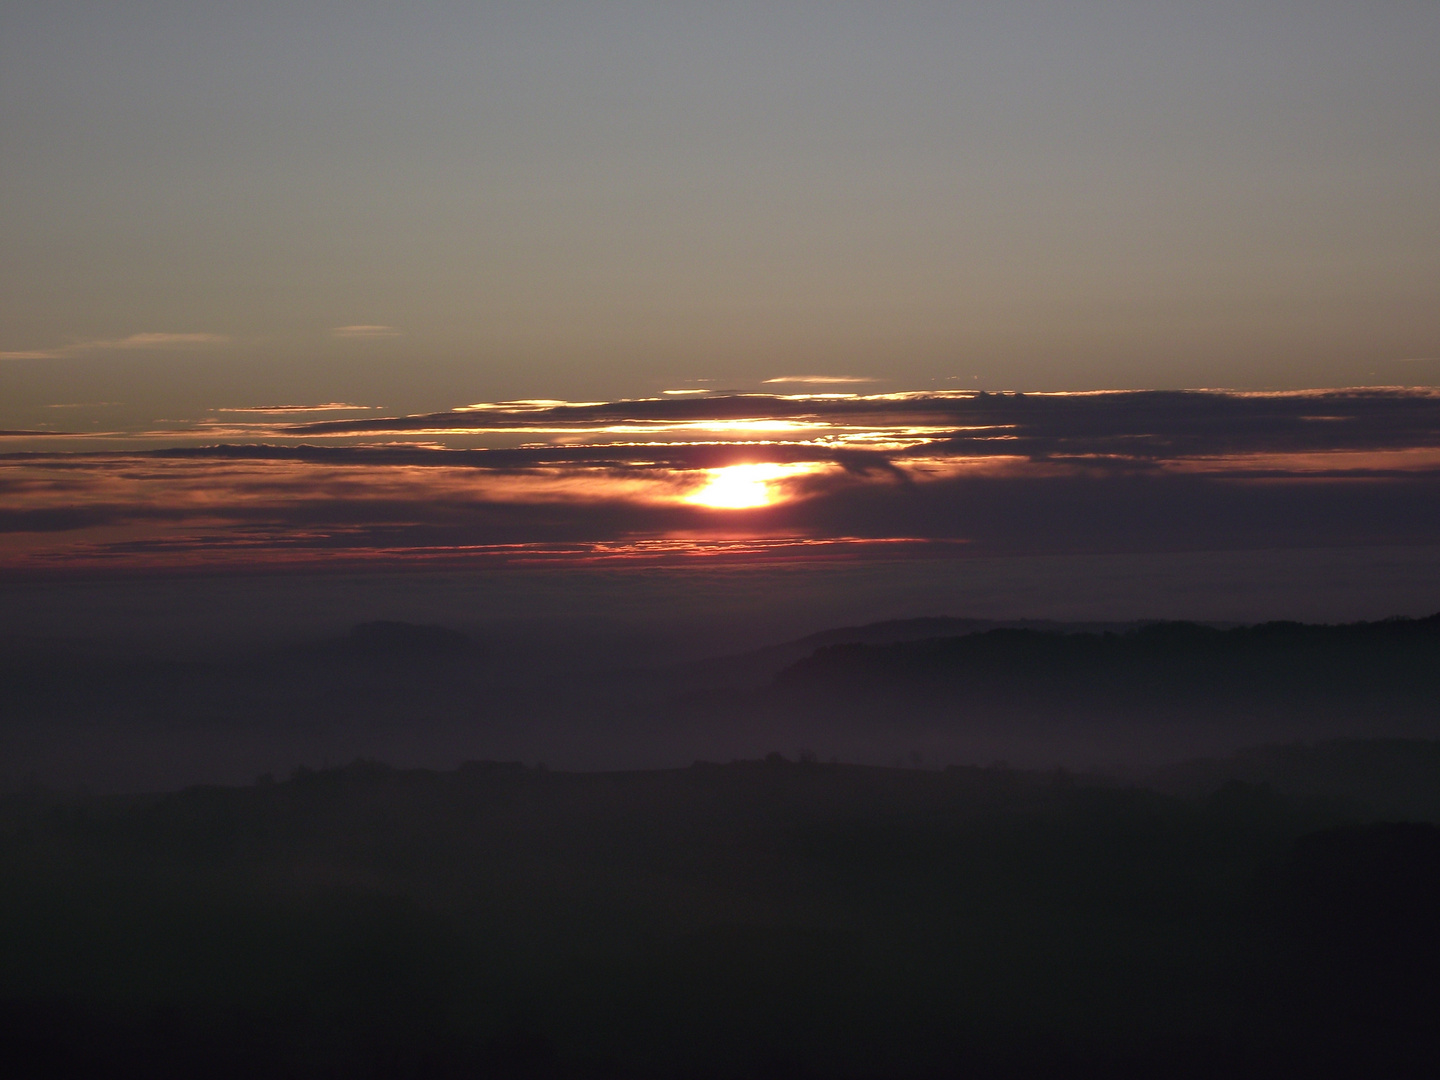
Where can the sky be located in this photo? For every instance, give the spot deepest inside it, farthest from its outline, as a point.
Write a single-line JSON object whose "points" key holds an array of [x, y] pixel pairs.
{"points": [[534, 284]]}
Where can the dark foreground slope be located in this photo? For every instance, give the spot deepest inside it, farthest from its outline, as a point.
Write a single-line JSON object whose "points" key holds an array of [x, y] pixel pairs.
{"points": [[753, 919]]}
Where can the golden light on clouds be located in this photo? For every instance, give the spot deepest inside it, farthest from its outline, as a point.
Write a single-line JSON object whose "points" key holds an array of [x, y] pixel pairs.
{"points": [[821, 379], [544, 480]]}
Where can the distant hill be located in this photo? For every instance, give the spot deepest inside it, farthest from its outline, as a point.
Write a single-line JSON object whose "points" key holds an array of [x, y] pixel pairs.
{"points": [[1387, 669], [1397, 778], [764, 664]]}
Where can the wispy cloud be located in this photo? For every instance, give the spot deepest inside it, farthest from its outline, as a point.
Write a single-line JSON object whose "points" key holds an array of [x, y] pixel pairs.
{"points": [[280, 410], [821, 379], [147, 340], [364, 330], [157, 341]]}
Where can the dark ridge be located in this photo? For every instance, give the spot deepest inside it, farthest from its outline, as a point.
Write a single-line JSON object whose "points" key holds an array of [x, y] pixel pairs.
{"points": [[1390, 777], [1363, 668], [763, 664], [752, 919]]}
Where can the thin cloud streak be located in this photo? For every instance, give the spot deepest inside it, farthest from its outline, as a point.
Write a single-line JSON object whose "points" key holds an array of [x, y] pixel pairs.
{"points": [[364, 330], [821, 379], [281, 410], [147, 340], [158, 340]]}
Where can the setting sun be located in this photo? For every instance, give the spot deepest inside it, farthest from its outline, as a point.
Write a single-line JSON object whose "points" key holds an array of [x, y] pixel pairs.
{"points": [[740, 487]]}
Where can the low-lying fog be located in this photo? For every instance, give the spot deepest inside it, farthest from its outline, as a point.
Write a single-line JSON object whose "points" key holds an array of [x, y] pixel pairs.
{"points": [[154, 684]]}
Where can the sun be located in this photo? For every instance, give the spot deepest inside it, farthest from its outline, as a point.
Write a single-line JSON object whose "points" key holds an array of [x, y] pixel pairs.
{"points": [[739, 487]]}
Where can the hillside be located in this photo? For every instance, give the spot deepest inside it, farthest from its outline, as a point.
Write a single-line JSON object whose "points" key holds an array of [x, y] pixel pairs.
{"points": [[751, 919]]}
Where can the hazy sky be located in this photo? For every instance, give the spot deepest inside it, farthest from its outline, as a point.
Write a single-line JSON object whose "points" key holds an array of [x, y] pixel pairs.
{"points": [[574, 200]]}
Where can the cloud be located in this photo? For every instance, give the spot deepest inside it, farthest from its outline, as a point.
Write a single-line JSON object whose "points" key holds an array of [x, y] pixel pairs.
{"points": [[1134, 426], [821, 379], [1196, 430], [279, 410], [157, 341], [147, 340], [257, 505], [993, 473], [364, 330]]}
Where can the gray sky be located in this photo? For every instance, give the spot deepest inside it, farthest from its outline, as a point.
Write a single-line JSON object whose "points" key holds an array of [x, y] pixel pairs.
{"points": [[607, 199]]}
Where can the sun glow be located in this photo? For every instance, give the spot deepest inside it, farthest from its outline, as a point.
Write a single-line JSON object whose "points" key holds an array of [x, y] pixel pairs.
{"points": [[741, 487]]}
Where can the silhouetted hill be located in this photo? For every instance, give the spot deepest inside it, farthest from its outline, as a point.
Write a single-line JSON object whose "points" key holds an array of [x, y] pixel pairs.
{"points": [[760, 918], [1159, 670], [1348, 916], [761, 665], [1385, 777]]}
